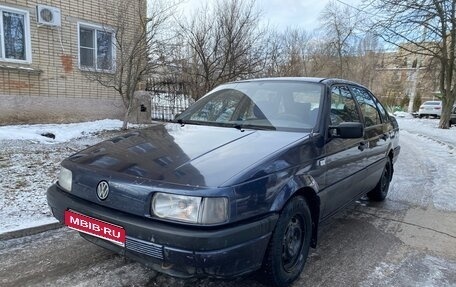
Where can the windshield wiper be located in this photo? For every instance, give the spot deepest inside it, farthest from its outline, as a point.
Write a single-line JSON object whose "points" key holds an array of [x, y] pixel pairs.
{"points": [[241, 127], [189, 122], [238, 126], [181, 122]]}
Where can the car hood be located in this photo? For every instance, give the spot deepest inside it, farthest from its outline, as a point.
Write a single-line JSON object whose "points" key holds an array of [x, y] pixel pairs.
{"points": [[185, 155]]}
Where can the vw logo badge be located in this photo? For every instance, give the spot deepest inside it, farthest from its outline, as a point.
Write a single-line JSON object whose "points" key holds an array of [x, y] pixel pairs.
{"points": [[103, 190]]}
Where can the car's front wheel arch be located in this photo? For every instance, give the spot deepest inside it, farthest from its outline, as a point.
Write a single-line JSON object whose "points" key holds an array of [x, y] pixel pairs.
{"points": [[289, 244], [313, 201]]}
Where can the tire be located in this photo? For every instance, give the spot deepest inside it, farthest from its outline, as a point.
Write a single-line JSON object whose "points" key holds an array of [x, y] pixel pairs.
{"points": [[380, 191], [289, 245]]}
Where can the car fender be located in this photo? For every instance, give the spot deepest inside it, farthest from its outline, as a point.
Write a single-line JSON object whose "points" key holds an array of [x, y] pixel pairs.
{"points": [[296, 185], [306, 186]]}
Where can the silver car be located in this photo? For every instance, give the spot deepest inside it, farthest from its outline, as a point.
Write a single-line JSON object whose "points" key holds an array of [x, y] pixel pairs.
{"points": [[430, 108], [453, 116]]}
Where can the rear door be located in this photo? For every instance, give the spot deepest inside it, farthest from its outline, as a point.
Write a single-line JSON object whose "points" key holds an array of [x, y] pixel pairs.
{"points": [[376, 136]]}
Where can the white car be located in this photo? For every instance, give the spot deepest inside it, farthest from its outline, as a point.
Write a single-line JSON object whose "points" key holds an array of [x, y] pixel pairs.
{"points": [[430, 108]]}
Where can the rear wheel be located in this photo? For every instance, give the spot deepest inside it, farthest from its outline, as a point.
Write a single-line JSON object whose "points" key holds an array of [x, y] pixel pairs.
{"points": [[289, 245], [381, 189]]}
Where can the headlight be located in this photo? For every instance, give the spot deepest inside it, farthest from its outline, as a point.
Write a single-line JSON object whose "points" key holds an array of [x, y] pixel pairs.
{"points": [[65, 178], [192, 209]]}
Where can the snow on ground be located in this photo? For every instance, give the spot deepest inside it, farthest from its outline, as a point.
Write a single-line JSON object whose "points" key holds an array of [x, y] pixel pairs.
{"points": [[403, 115], [429, 128], [425, 173], [427, 162], [62, 132], [29, 165], [428, 271]]}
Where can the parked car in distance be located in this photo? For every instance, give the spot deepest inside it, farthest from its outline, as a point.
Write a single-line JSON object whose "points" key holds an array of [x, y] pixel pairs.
{"points": [[430, 108], [239, 183], [453, 116]]}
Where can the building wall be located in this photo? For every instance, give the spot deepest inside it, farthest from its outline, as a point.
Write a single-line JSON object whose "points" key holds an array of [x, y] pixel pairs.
{"points": [[397, 73], [52, 88]]}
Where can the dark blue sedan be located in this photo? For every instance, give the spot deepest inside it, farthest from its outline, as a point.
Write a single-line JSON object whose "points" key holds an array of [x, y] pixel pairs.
{"points": [[239, 183]]}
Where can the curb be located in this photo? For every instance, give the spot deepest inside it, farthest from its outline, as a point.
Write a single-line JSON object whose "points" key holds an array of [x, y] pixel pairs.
{"points": [[29, 231]]}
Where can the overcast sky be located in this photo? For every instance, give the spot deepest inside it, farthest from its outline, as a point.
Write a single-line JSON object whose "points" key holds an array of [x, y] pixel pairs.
{"points": [[283, 13]]}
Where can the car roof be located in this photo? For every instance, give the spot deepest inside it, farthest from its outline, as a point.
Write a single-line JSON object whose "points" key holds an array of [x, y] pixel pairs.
{"points": [[326, 81]]}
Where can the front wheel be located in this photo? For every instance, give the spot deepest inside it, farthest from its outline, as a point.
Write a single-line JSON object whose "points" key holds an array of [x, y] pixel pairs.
{"points": [[381, 189], [289, 245]]}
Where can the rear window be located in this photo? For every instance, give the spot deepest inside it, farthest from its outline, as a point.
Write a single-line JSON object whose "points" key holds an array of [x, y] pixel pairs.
{"points": [[432, 103]]}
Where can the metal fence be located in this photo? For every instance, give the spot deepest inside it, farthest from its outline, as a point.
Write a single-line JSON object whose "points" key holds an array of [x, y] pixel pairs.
{"points": [[165, 107]]}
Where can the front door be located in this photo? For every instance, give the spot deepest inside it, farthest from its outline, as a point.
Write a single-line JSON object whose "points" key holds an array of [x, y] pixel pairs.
{"points": [[345, 159]]}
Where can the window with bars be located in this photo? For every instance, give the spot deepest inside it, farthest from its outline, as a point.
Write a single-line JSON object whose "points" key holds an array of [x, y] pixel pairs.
{"points": [[14, 35], [96, 49]]}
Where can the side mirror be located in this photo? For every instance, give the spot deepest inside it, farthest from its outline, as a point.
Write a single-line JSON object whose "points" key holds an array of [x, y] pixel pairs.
{"points": [[349, 130]]}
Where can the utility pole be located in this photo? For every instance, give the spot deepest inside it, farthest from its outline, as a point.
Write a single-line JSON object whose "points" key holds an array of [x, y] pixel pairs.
{"points": [[414, 78]]}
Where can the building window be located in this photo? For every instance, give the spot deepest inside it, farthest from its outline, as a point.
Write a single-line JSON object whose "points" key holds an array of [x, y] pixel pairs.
{"points": [[14, 35], [96, 49]]}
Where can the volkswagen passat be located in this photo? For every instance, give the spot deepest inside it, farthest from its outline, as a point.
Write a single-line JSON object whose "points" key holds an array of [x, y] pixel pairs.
{"points": [[240, 182]]}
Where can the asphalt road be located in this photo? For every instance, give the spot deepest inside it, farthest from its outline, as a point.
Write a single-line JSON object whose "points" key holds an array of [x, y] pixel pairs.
{"points": [[404, 241]]}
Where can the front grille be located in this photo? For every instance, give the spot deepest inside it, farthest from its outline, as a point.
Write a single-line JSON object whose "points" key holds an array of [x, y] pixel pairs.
{"points": [[144, 247]]}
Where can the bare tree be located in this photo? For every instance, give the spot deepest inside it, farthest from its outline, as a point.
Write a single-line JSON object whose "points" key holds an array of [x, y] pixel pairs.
{"points": [[340, 25], [366, 60], [287, 53], [427, 28], [140, 41], [224, 44]]}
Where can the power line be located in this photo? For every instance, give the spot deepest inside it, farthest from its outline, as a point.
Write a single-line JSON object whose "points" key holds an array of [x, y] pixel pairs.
{"points": [[358, 9]]}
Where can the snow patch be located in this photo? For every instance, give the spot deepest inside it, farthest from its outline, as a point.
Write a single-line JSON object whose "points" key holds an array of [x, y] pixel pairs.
{"points": [[400, 114], [62, 132], [415, 270]]}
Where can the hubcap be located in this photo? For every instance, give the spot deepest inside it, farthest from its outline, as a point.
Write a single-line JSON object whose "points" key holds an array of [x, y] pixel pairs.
{"points": [[292, 243]]}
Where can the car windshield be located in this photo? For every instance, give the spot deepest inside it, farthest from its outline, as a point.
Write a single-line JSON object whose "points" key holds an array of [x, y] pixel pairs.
{"points": [[272, 105]]}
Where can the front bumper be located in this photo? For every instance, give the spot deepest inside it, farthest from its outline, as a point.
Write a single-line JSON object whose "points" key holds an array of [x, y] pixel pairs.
{"points": [[221, 252]]}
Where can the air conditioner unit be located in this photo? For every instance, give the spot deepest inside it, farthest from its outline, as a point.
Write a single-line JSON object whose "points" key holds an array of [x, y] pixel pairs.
{"points": [[47, 15]]}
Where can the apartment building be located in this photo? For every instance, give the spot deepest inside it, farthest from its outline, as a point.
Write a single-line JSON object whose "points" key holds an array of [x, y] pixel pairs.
{"points": [[48, 51]]}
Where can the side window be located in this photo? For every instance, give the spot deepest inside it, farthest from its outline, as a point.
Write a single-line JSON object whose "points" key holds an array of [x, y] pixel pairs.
{"points": [[14, 35], [96, 48], [368, 108], [382, 110], [343, 107]]}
